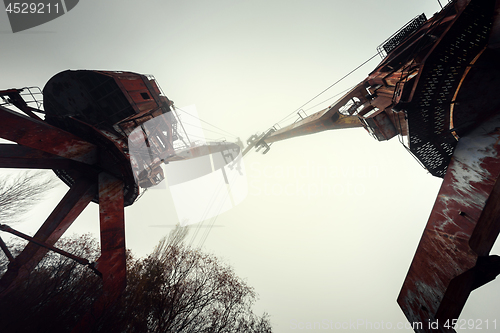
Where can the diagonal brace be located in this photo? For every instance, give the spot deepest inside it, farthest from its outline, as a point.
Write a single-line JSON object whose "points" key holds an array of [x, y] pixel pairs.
{"points": [[61, 218]]}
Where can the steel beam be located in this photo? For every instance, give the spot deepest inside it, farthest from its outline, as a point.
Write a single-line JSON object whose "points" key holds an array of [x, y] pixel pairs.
{"points": [[17, 156], [39, 135], [327, 119], [112, 263], [452, 258], [81, 261], [61, 218]]}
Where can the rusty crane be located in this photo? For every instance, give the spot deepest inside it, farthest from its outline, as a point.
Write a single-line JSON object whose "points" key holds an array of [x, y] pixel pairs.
{"points": [[105, 134], [436, 89]]}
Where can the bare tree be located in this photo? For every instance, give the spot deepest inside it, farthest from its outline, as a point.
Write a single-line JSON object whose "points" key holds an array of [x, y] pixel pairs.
{"points": [[56, 293], [185, 290], [174, 289], [20, 192]]}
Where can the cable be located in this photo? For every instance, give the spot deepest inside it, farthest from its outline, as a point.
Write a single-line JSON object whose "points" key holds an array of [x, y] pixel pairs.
{"points": [[206, 122], [203, 138], [326, 100], [215, 194], [207, 232], [204, 129], [335, 83], [205, 213], [220, 187]]}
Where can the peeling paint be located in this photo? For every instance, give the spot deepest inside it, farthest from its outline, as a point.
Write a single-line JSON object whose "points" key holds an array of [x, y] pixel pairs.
{"points": [[468, 161]]}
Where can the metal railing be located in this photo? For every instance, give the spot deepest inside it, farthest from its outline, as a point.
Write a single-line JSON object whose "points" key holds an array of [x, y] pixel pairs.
{"points": [[399, 36]]}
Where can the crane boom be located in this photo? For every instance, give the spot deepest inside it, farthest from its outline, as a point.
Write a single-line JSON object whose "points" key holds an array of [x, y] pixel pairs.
{"points": [[326, 119], [438, 87]]}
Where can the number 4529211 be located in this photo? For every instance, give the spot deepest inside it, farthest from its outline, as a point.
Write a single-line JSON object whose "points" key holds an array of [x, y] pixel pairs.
{"points": [[32, 8]]}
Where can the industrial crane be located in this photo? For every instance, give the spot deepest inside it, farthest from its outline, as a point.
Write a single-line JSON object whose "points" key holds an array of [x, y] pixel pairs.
{"points": [[105, 134], [437, 90]]}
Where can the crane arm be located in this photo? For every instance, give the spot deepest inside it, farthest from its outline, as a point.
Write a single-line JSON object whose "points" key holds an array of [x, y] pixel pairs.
{"points": [[342, 114]]}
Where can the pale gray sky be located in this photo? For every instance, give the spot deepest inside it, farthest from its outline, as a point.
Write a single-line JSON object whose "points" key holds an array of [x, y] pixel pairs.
{"points": [[331, 221]]}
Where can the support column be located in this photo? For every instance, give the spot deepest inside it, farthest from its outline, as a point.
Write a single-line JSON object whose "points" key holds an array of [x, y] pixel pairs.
{"points": [[452, 258], [112, 263]]}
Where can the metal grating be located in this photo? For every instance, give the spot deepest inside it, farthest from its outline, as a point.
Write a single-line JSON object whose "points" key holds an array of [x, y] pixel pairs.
{"points": [[430, 139], [399, 36]]}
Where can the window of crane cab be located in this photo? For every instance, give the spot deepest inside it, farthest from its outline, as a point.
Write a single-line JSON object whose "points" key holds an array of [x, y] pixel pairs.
{"points": [[352, 107]]}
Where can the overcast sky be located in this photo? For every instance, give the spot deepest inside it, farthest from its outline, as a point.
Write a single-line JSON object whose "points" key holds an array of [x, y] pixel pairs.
{"points": [[331, 221]]}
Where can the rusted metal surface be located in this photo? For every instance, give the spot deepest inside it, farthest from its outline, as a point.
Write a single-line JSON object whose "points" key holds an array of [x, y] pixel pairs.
{"points": [[327, 119], [381, 98], [42, 136], [112, 263], [17, 156], [434, 115], [81, 261], [437, 89], [122, 102], [84, 139], [111, 117], [61, 218], [411, 92], [453, 258], [113, 157]]}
